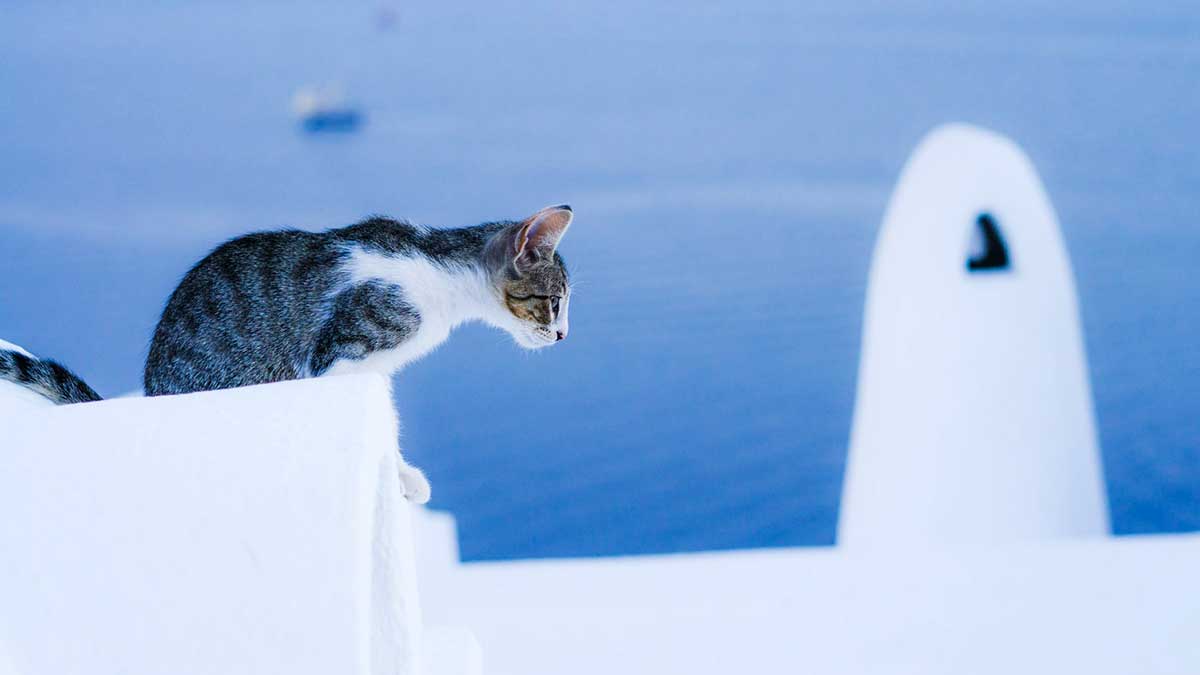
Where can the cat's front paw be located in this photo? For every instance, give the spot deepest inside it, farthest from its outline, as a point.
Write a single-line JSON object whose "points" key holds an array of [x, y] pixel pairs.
{"points": [[416, 485]]}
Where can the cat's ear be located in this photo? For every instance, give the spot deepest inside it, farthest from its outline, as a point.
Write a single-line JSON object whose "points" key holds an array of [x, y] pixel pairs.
{"points": [[532, 239], [544, 229]]}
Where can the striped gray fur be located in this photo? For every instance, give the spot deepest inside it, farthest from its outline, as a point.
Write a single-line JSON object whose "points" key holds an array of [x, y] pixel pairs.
{"points": [[290, 304], [285, 305], [45, 377], [371, 297]]}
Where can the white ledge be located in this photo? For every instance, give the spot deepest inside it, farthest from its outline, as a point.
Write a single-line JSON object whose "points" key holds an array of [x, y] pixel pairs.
{"points": [[256, 530]]}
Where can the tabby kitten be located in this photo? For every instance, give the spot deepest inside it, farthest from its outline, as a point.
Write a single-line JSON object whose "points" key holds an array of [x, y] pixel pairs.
{"points": [[371, 297]]}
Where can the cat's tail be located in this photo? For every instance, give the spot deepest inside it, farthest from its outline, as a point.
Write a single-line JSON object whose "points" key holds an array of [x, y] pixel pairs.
{"points": [[45, 377]]}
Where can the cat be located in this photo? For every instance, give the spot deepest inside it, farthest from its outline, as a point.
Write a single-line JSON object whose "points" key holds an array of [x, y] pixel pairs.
{"points": [[370, 297]]}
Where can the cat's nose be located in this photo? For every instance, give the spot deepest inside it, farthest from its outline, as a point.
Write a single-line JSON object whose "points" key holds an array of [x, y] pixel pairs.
{"points": [[561, 334]]}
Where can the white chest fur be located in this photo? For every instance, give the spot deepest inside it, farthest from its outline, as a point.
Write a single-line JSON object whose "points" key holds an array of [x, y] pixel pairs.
{"points": [[444, 296]]}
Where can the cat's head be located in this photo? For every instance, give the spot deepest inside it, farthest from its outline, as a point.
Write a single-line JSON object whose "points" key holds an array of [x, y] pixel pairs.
{"points": [[530, 279]]}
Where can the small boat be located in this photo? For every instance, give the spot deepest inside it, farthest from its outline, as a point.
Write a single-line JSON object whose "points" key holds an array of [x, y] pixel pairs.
{"points": [[325, 109]]}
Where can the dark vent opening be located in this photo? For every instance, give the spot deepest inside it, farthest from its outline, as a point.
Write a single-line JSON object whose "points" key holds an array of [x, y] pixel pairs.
{"points": [[994, 254]]}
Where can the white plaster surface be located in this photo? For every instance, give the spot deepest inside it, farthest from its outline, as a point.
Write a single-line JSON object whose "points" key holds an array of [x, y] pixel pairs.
{"points": [[1098, 606], [257, 530], [973, 420]]}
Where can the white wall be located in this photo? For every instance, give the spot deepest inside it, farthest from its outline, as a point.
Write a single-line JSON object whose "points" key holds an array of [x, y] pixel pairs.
{"points": [[1099, 607], [257, 530], [973, 420]]}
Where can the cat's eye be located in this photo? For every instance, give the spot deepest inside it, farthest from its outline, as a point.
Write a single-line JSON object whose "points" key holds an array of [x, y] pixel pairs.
{"points": [[554, 304], [519, 298]]}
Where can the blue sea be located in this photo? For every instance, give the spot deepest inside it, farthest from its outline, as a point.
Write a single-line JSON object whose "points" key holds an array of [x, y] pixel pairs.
{"points": [[729, 164]]}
